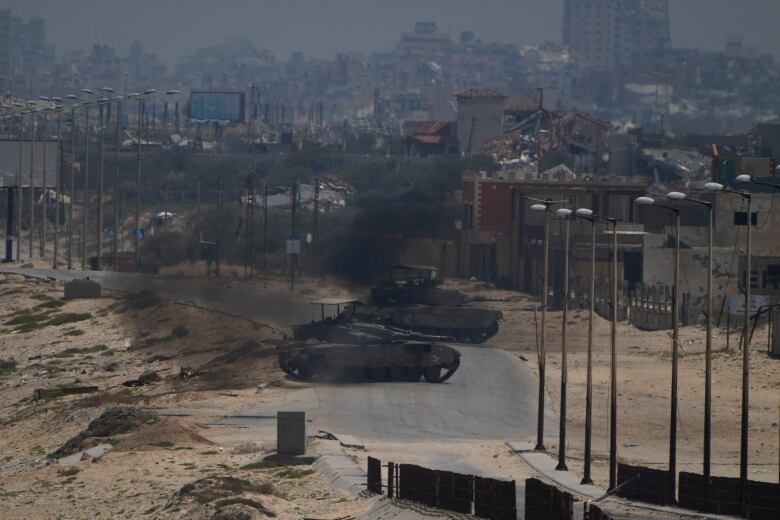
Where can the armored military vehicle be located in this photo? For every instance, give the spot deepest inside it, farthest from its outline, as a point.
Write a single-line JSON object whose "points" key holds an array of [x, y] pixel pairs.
{"points": [[393, 361], [410, 298], [463, 324], [414, 284]]}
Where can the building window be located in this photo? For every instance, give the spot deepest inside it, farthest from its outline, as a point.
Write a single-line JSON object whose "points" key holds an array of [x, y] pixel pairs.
{"points": [[740, 218]]}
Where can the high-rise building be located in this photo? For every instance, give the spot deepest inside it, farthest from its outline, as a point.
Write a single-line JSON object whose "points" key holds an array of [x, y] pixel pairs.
{"points": [[5, 43], [615, 34]]}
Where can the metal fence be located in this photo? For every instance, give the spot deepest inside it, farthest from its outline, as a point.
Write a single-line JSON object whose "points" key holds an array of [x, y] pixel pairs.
{"points": [[721, 495], [374, 475], [645, 484], [545, 502], [466, 494]]}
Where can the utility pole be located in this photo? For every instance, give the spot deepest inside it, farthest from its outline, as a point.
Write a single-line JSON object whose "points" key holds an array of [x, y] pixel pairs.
{"points": [[198, 231], [566, 215], [73, 127], [117, 174], [32, 181], [86, 186], [219, 225], [613, 363], [265, 225], [744, 431], [99, 230], [315, 221], [58, 194], [293, 207], [44, 186], [19, 190], [137, 232]]}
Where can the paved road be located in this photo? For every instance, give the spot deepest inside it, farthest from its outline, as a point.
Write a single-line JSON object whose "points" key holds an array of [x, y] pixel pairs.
{"points": [[491, 396]]}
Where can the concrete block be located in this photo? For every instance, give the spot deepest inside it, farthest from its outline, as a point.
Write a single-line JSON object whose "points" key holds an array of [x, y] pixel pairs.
{"points": [[81, 289], [291, 433]]}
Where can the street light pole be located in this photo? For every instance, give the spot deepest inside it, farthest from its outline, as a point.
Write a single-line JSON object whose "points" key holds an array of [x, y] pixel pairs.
{"points": [[542, 206], [707, 449], [44, 186], [747, 179], [675, 343], [85, 187], [137, 233], [565, 214], [744, 432], [587, 214], [613, 362], [33, 122], [57, 199], [72, 187], [115, 241]]}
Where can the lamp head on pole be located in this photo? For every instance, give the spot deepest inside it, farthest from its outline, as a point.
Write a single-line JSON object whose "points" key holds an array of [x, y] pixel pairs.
{"points": [[713, 186], [539, 207], [564, 213], [88, 91], [744, 179], [645, 201], [584, 213], [675, 195], [172, 92], [108, 89]]}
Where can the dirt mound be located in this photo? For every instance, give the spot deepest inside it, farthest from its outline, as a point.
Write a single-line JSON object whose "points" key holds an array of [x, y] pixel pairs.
{"points": [[166, 431], [116, 420], [223, 498]]}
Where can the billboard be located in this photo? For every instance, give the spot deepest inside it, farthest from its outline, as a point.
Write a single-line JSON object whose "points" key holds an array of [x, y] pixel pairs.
{"points": [[217, 106], [9, 163]]}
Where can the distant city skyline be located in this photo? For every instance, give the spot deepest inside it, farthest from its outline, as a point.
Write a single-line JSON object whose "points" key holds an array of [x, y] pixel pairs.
{"points": [[321, 28]]}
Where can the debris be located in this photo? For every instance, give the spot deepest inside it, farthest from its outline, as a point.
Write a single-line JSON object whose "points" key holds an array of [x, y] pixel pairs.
{"points": [[40, 394], [187, 373], [159, 357], [82, 289], [180, 331], [114, 421], [147, 378], [94, 453], [7, 365]]}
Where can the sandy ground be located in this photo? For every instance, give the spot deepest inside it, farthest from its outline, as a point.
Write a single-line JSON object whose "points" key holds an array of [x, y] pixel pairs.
{"points": [[644, 388], [105, 342]]}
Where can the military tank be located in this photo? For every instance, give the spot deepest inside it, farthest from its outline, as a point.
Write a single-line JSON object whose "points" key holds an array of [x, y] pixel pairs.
{"points": [[462, 324], [407, 284], [345, 327], [394, 361]]}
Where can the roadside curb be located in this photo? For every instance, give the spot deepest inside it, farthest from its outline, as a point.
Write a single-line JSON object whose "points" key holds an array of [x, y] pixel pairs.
{"points": [[341, 470]]}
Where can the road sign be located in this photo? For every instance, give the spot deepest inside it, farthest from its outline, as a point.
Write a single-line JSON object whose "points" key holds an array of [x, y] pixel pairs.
{"points": [[140, 233], [293, 245]]}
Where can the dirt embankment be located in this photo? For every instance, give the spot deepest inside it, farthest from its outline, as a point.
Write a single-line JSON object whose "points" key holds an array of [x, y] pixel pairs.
{"points": [[158, 376]]}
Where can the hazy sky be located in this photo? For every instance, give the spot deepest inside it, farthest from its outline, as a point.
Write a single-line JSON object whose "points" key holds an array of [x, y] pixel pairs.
{"points": [[323, 27]]}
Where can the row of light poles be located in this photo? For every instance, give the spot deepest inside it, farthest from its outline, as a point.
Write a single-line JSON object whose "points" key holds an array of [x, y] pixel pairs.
{"points": [[58, 105], [676, 200], [546, 207]]}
